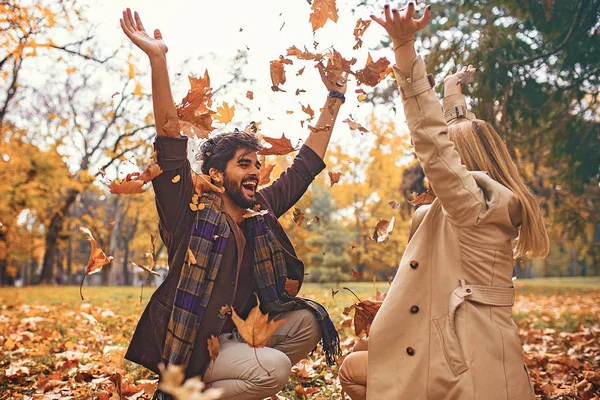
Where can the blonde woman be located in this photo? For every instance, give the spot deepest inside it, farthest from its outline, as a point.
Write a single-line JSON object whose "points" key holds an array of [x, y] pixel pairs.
{"points": [[445, 329]]}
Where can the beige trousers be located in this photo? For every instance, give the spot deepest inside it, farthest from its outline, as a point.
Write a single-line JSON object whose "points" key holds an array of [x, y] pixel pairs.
{"points": [[236, 369], [353, 371]]}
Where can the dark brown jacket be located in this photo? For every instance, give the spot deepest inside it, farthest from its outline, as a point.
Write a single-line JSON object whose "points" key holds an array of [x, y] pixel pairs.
{"points": [[175, 226]]}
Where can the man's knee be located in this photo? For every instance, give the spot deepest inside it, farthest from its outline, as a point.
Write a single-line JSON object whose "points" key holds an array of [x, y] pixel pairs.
{"points": [[353, 370], [278, 366], [308, 320]]}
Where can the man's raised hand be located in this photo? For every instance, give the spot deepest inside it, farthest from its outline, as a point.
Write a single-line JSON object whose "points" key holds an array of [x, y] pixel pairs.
{"points": [[400, 24], [134, 29]]}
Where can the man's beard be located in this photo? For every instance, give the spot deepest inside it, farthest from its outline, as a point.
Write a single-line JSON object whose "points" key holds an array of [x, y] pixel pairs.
{"points": [[235, 192]]}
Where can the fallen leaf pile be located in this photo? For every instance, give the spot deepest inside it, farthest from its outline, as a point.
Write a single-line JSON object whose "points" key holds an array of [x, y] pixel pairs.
{"points": [[59, 347]]}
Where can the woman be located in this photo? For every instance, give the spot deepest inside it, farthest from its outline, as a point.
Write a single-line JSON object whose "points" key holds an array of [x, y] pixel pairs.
{"points": [[445, 329]]}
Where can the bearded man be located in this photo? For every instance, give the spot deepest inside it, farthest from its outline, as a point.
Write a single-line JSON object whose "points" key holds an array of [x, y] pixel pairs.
{"points": [[218, 258]]}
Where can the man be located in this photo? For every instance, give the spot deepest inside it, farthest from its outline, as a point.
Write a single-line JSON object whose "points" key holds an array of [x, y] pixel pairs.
{"points": [[219, 258]]}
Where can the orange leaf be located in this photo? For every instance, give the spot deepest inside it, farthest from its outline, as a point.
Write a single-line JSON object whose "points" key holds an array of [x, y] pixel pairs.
{"points": [[292, 287], [322, 10], [357, 275], [250, 95], [97, 257], [127, 186], [195, 106], [359, 30], [277, 75], [256, 330], [309, 111], [279, 147], [364, 313], [303, 55], [151, 172], [203, 184], [225, 113], [176, 178], [373, 72], [424, 198], [143, 267], [355, 125], [265, 174], [334, 177], [298, 216], [214, 347], [226, 309], [383, 230]]}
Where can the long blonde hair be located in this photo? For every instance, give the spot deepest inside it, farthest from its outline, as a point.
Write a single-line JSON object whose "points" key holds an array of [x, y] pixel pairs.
{"points": [[481, 149]]}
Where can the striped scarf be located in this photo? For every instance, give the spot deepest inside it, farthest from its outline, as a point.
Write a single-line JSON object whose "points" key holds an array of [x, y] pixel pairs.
{"points": [[207, 244]]}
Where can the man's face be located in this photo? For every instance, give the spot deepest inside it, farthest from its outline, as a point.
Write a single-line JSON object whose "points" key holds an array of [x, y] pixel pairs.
{"points": [[241, 177]]}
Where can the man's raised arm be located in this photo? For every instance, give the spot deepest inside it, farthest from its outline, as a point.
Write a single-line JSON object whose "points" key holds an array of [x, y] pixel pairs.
{"points": [[156, 50]]}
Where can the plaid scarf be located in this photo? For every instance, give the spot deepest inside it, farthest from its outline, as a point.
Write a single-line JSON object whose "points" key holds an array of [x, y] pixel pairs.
{"points": [[207, 244]]}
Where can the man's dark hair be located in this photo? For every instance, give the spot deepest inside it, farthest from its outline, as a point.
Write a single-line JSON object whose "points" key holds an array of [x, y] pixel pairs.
{"points": [[218, 150]]}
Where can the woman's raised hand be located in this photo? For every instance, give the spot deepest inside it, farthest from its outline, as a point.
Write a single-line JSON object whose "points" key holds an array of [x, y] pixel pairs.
{"points": [[134, 29], [400, 24]]}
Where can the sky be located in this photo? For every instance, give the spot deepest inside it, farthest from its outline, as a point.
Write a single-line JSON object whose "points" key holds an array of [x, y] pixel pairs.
{"points": [[215, 30]]}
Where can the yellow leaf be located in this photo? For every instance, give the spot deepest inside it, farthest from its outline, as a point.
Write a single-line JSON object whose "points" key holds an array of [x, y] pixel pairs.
{"points": [[256, 330], [224, 113], [138, 90], [176, 178], [71, 70], [361, 98], [131, 70]]}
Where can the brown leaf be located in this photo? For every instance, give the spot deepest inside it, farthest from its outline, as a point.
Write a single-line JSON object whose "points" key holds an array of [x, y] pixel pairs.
{"points": [[373, 72], [322, 10], [298, 216], [334, 177], [250, 95], [151, 172], [195, 106], [298, 91], [424, 198], [359, 30], [364, 313], [265, 174], [214, 347], [300, 71], [355, 125], [279, 147], [127, 185], [303, 55], [277, 75], [226, 309], [143, 267], [292, 287], [256, 330], [97, 257], [357, 275], [383, 229], [320, 129], [202, 184], [308, 111], [394, 205]]}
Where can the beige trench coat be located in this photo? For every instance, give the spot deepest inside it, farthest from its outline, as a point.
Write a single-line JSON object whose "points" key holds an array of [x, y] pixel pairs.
{"points": [[445, 330]]}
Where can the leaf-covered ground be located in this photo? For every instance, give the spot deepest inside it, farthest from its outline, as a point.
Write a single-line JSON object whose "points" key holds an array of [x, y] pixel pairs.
{"points": [[53, 345]]}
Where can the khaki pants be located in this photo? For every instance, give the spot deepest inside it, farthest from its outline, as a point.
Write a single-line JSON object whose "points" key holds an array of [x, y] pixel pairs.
{"points": [[353, 372], [237, 372]]}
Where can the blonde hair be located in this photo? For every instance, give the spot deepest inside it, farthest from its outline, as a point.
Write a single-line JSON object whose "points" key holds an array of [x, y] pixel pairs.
{"points": [[481, 149]]}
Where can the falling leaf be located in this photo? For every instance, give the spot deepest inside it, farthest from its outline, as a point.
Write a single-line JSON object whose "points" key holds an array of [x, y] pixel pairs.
{"points": [[316, 219], [373, 72], [300, 71], [289, 112], [152, 171], [253, 213], [226, 309], [71, 70], [292, 287], [298, 216], [256, 330], [303, 55], [357, 275], [359, 30], [202, 184], [96, 260], [115, 94], [322, 10], [214, 347], [176, 178], [279, 147], [424, 198], [364, 313], [383, 230], [126, 186], [195, 106], [277, 75], [320, 129], [143, 267], [355, 125], [225, 113], [334, 177], [250, 95], [361, 97], [112, 223], [172, 382], [265, 174], [308, 111], [333, 293], [394, 205], [298, 91], [190, 257]]}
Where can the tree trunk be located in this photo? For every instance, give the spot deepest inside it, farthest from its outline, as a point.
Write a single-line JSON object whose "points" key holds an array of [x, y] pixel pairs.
{"points": [[3, 258], [126, 275], [51, 242], [70, 261]]}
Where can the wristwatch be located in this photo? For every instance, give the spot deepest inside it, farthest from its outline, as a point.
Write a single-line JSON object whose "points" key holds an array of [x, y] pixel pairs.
{"points": [[337, 95]]}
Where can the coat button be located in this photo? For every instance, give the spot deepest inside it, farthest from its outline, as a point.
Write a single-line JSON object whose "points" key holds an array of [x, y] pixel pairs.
{"points": [[414, 264], [233, 282], [414, 309], [410, 351], [222, 316]]}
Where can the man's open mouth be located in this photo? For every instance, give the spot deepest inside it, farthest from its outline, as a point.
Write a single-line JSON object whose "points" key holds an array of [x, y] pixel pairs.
{"points": [[250, 186]]}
